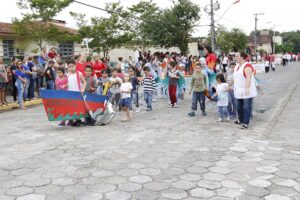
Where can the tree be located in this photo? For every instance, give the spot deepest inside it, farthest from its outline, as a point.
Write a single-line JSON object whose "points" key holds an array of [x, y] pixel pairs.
{"points": [[137, 18], [291, 40], [234, 40], [223, 41], [36, 25], [107, 32], [173, 26]]}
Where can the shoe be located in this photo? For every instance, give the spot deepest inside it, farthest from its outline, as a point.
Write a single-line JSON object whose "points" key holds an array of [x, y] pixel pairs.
{"points": [[227, 119], [154, 100], [171, 105], [138, 110], [244, 126], [192, 114], [238, 122], [204, 113], [220, 120], [69, 123], [61, 124], [148, 109], [175, 105]]}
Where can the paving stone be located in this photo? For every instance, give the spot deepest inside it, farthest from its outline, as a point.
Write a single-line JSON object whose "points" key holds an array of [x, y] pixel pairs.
{"points": [[256, 191], [260, 183], [18, 191], [20, 172], [246, 197], [168, 178], [228, 192], [297, 187], [220, 170], [48, 189], [89, 196], [136, 165], [238, 149], [53, 175], [156, 186], [102, 187], [267, 169], [287, 174], [276, 197], [61, 196], [64, 181], [231, 158], [212, 185], [150, 171], [127, 172], [282, 190], [130, 187], [37, 182], [201, 163], [184, 185], [32, 197], [288, 183], [231, 184], [214, 177], [238, 177], [174, 194], [201, 193], [118, 195], [196, 170], [115, 180], [75, 189], [190, 177], [220, 198], [103, 173], [140, 179], [223, 163], [146, 195]]}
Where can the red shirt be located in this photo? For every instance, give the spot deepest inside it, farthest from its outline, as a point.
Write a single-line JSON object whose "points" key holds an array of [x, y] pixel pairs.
{"points": [[52, 54], [211, 61], [98, 66]]}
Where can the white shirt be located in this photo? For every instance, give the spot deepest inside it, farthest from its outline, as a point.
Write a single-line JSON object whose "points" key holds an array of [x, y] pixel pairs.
{"points": [[127, 86], [115, 86], [225, 61], [222, 94], [240, 83], [73, 82]]}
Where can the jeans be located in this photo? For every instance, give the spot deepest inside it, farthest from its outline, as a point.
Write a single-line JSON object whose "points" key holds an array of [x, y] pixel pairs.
{"points": [[244, 107], [38, 84], [172, 94], [50, 84], [198, 96], [14, 90], [31, 88], [20, 88], [135, 99], [231, 104], [223, 112], [148, 99], [26, 88]]}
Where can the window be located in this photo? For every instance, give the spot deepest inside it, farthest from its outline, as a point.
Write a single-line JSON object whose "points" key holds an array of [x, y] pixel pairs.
{"points": [[66, 49], [8, 48], [260, 44]]}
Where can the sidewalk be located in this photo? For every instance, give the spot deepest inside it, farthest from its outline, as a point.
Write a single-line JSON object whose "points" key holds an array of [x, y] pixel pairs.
{"points": [[14, 105]]}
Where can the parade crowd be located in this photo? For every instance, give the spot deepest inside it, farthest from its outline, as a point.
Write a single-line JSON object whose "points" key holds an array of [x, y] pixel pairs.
{"points": [[229, 80]]}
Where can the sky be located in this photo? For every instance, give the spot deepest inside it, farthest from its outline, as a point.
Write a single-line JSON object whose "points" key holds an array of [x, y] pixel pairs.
{"points": [[281, 14]]}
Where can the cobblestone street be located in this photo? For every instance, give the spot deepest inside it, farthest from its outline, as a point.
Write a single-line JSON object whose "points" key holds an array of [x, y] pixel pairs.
{"points": [[163, 154]]}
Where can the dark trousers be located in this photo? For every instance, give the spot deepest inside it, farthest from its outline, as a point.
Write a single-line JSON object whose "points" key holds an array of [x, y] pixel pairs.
{"points": [[31, 88], [224, 67], [244, 108], [14, 90], [172, 94], [267, 68], [198, 97]]}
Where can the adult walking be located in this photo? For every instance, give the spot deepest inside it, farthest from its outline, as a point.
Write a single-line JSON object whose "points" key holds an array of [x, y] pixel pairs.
{"points": [[244, 89], [20, 82], [3, 82]]}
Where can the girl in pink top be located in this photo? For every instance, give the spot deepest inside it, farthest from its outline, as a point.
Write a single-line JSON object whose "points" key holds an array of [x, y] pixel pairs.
{"points": [[61, 83]]}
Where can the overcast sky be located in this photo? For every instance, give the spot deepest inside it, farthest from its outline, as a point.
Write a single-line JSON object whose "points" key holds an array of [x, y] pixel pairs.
{"points": [[284, 14]]}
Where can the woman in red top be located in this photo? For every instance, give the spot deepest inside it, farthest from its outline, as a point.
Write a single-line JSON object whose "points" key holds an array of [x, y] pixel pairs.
{"points": [[211, 58], [98, 65], [80, 65], [52, 54]]}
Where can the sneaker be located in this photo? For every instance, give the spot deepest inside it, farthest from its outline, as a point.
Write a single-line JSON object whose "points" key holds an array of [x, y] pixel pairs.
{"points": [[238, 122], [227, 119], [220, 120], [149, 109], [175, 105], [154, 100], [192, 114], [138, 110], [61, 124], [244, 126], [203, 113]]}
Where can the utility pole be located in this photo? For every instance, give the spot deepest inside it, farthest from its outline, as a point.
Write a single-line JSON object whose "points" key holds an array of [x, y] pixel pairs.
{"points": [[212, 26], [255, 34]]}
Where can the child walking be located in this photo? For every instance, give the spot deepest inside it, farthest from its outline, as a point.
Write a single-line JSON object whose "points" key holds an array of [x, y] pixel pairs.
{"points": [[231, 99], [125, 104], [173, 82], [76, 82], [91, 87], [61, 83], [134, 92], [149, 88], [115, 84], [222, 103], [198, 87]]}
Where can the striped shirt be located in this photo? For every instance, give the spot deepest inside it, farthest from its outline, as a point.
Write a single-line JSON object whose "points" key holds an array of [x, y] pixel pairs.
{"points": [[149, 84]]}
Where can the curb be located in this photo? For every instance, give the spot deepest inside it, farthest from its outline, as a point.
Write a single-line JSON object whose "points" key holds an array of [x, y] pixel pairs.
{"points": [[279, 110], [12, 106]]}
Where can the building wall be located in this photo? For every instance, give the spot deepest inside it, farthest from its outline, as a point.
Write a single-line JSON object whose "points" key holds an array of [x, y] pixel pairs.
{"points": [[1, 47], [266, 47]]}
